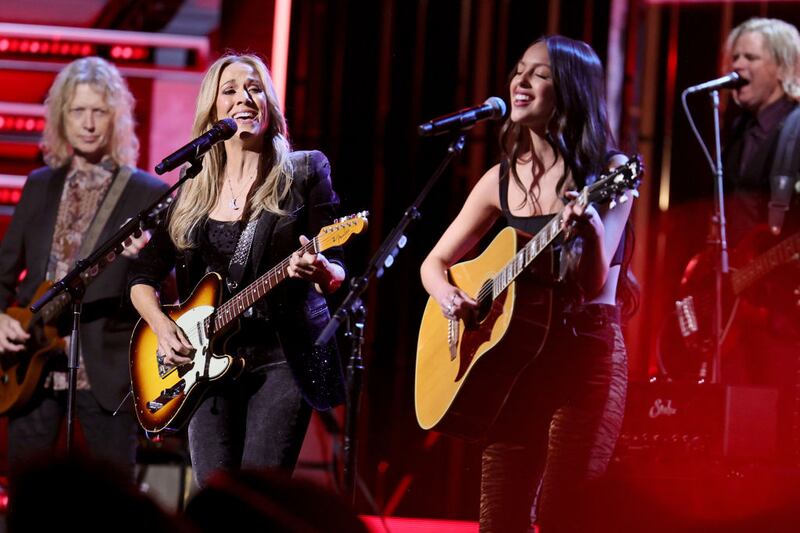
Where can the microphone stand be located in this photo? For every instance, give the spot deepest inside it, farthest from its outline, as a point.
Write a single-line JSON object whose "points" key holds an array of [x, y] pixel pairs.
{"points": [[74, 284], [352, 311], [722, 267], [720, 239]]}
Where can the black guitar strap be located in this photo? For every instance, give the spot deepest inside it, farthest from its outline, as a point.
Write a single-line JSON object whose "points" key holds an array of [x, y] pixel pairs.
{"points": [[785, 169]]}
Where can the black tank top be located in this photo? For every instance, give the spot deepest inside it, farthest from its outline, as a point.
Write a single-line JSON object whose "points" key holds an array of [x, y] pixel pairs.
{"points": [[534, 224]]}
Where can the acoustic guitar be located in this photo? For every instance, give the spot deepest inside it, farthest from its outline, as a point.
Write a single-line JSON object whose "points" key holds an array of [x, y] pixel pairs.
{"points": [[464, 369]]}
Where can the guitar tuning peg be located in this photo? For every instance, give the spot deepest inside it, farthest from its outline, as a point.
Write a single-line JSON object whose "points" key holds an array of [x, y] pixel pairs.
{"points": [[613, 204], [635, 193], [623, 199]]}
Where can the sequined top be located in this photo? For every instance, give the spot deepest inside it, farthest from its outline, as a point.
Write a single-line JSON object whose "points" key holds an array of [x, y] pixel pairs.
{"points": [[256, 341]]}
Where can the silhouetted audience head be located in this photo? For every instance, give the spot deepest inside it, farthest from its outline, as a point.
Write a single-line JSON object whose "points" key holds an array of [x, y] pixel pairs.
{"points": [[269, 501], [79, 494]]}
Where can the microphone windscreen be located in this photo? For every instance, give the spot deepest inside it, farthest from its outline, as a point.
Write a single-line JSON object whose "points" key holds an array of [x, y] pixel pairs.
{"points": [[227, 127], [498, 105]]}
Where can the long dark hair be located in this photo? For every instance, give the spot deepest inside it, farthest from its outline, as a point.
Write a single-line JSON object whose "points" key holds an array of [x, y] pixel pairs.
{"points": [[578, 131]]}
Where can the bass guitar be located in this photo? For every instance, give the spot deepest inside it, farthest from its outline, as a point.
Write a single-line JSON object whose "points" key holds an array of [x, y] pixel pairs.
{"points": [[165, 396], [466, 369], [21, 372]]}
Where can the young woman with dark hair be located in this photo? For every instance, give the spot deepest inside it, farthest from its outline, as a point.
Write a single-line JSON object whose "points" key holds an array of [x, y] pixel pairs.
{"points": [[558, 426]]}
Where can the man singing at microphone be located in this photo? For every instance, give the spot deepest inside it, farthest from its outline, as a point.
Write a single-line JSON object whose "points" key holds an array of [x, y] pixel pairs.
{"points": [[88, 189], [766, 53]]}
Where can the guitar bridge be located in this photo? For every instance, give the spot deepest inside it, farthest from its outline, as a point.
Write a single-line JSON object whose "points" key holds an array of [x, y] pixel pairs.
{"points": [[165, 396], [687, 318], [452, 338]]}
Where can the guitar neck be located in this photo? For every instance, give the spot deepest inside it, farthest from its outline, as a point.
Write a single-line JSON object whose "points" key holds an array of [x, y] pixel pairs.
{"points": [[233, 308], [526, 255], [778, 255], [53, 309], [56, 306]]}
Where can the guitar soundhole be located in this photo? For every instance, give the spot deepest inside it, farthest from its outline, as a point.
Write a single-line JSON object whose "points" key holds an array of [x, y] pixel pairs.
{"points": [[484, 305]]}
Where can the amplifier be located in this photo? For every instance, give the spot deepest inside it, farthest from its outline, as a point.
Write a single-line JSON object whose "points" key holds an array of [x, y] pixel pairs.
{"points": [[690, 421]]}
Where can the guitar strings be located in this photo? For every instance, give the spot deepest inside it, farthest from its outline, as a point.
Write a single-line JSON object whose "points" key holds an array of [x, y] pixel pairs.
{"points": [[230, 305], [632, 168]]}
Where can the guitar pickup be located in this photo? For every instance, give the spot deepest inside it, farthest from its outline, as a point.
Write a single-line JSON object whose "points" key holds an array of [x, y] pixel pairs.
{"points": [[165, 396], [687, 318]]}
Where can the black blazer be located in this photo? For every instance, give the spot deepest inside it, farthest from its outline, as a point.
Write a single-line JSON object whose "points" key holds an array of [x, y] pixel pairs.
{"points": [[107, 321], [295, 308]]}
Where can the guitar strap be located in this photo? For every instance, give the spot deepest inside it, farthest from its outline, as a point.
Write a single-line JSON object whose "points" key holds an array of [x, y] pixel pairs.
{"points": [[238, 262], [108, 204], [785, 170]]}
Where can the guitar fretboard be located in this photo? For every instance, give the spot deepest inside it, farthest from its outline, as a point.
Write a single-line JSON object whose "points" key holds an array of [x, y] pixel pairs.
{"points": [[233, 308], [54, 307], [623, 178], [778, 255], [526, 255]]}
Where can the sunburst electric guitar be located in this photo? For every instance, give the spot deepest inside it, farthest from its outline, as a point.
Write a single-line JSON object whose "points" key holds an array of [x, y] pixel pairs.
{"points": [[20, 373], [466, 369], [166, 396]]}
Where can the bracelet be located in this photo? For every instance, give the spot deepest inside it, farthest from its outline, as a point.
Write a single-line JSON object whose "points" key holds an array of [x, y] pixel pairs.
{"points": [[332, 285]]}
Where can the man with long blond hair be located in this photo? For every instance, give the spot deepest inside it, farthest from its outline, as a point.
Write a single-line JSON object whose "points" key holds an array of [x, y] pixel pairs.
{"points": [[88, 189], [763, 210]]}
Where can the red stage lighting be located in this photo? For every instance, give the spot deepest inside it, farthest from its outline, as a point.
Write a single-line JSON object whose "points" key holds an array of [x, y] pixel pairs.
{"points": [[33, 43]]}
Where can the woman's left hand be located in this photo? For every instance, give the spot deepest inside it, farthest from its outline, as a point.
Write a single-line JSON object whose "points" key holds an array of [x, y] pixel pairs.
{"points": [[582, 220], [315, 268]]}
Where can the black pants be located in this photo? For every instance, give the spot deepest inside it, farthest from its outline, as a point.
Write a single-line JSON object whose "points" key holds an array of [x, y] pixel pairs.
{"points": [[34, 432], [557, 430], [256, 421]]}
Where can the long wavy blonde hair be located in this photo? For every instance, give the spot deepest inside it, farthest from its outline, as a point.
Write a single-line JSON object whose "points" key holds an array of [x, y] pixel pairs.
{"points": [[782, 40], [123, 145], [198, 196]]}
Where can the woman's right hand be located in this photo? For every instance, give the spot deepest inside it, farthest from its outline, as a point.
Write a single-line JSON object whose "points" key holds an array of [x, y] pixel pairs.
{"points": [[456, 304], [172, 342]]}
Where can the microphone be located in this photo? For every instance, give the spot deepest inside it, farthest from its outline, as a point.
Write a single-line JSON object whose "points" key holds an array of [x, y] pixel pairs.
{"points": [[728, 81], [493, 108], [222, 130]]}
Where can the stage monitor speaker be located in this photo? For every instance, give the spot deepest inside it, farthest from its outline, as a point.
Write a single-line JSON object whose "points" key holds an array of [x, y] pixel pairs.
{"points": [[686, 420], [751, 422]]}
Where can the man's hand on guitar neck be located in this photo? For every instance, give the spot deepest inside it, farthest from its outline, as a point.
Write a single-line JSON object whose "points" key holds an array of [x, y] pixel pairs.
{"points": [[12, 336]]}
